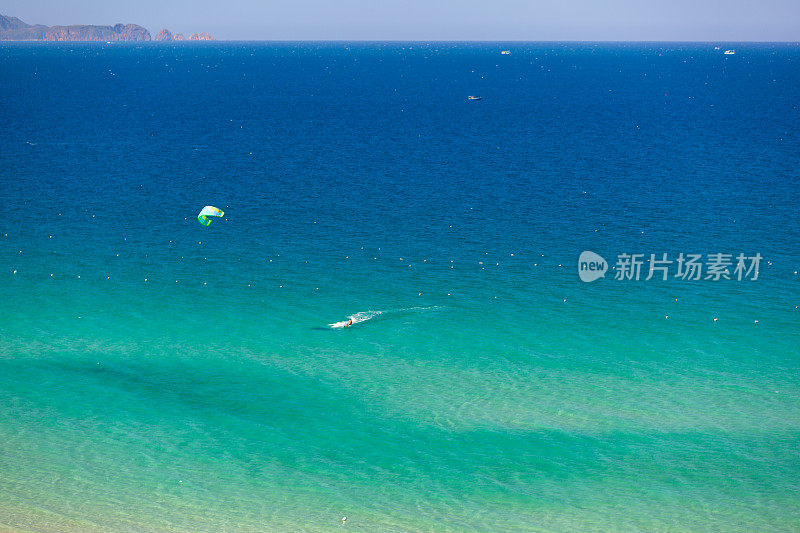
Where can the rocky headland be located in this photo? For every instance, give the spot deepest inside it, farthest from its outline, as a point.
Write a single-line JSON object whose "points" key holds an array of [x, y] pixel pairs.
{"points": [[13, 29]]}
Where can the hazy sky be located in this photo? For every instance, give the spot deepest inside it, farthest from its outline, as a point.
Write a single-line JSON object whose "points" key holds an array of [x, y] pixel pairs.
{"points": [[536, 20]]}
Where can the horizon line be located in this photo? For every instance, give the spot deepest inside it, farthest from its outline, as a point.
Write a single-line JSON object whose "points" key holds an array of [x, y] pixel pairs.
{"points": [[512, 41]]}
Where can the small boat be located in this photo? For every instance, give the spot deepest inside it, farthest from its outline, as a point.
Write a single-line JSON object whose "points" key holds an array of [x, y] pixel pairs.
{"points": [[506, 52], [474, 97], [729, 52]]}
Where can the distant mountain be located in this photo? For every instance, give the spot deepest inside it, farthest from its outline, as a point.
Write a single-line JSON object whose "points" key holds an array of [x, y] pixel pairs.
{"points": [[118, 32], [13, 29]]}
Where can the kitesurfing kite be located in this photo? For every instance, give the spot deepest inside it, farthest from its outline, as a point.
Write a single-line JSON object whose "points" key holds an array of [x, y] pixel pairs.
{"points": [[209, 211]]}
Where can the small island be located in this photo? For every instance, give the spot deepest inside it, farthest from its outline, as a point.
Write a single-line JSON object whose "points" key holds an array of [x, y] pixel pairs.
{"points": [[14, 29]]}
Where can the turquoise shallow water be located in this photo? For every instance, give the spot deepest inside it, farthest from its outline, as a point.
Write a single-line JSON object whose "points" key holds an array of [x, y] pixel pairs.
{"points": [[158, 375]]}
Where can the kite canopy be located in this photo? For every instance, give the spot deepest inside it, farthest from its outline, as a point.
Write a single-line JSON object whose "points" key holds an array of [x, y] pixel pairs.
{"points": [[209, 211]]}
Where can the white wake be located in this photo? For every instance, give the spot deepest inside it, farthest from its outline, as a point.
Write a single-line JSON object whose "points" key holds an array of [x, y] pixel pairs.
{"points": [[363, 316]]}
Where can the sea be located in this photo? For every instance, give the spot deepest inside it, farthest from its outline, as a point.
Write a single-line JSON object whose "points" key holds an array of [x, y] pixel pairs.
{"points": [[159, 375]]}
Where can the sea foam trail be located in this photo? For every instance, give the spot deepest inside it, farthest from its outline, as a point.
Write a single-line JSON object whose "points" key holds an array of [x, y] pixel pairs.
{"points": [[363, 316]]}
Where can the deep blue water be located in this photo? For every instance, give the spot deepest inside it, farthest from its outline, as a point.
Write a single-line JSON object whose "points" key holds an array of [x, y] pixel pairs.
{"points": [[157, 374]]}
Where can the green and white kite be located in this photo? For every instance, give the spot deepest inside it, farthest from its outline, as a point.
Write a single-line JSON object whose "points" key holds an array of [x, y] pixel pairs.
{"points": [[209, 211]]}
